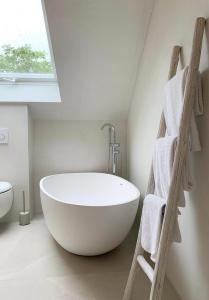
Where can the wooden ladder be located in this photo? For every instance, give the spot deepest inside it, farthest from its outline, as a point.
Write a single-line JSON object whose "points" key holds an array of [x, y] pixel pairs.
{"points": [[156, 275]]}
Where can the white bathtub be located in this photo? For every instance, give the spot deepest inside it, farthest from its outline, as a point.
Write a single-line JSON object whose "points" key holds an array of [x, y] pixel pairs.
{"points": [[88, 213]]}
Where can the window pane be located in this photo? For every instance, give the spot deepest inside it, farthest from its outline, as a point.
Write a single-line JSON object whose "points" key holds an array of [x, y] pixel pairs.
{"points": [[23, 39]]}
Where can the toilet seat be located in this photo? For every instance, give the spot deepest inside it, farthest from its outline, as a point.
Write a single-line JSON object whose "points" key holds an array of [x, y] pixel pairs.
{"points": [[6, 198], [5, 186]]}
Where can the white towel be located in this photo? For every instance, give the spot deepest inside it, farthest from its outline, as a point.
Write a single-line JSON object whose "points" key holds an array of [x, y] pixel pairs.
{"points": [[163, 159], [174, 92], [151, 224]]}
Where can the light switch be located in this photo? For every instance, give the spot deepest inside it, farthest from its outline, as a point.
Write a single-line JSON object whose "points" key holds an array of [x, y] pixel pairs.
{"points": [[4, 135]]}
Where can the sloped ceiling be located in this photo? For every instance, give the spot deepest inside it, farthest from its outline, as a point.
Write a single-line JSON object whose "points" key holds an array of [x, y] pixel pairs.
{"points": [[96, 46]]}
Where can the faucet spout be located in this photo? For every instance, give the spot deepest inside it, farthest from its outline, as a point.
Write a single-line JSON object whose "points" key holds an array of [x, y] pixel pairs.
{"points": [[112, 131]]}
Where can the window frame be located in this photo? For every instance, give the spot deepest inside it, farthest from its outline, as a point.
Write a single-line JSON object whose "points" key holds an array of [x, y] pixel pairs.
{"points": [[17, 87], [14, 78]]}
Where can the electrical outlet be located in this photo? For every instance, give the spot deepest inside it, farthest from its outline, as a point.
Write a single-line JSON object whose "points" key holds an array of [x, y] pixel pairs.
{"points": [[4, 135]]}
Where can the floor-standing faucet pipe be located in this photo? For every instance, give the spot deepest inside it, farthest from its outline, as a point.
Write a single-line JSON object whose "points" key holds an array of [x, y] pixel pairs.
{"points": [[113, 151], [110, 126]]}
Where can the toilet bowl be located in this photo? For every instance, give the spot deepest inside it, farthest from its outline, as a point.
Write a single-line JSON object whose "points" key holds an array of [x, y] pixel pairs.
{"points": [[6, 198]]}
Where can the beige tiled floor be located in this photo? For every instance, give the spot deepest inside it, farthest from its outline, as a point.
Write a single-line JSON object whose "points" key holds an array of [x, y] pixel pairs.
{"points": [[34, 267]]}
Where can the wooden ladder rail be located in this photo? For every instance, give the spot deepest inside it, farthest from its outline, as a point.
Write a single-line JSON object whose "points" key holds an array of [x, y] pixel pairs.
{"points": [[150, 189], [157, 275], [179, 160]]}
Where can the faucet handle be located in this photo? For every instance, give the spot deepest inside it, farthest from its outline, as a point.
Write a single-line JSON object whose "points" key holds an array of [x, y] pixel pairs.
{"points": [[114, 145]]}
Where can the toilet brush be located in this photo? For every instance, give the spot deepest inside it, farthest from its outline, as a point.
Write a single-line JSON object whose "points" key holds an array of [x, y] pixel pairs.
{"points": [[24, 216]]}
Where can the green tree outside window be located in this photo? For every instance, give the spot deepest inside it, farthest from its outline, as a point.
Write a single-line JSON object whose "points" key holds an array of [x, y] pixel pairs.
{"points": [[23, 60]]}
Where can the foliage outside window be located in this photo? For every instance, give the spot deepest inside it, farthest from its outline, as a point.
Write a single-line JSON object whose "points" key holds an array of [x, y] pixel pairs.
{"points": [[23, 60], [24, 48]]}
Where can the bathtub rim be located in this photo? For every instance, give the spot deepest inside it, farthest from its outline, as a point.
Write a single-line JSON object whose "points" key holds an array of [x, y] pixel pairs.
{"points": [[42, 189]]}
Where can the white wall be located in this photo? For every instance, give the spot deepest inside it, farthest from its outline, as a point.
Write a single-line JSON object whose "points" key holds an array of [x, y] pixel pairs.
{"points": [[73, 146], [96, 46], [173, 23], [14, 157]]}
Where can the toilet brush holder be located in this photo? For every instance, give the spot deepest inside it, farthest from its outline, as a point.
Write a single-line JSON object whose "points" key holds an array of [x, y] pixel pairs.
{"points": [[24, 216]]}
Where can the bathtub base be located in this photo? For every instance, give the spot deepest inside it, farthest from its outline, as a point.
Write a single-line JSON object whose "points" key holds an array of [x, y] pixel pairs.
{"points": [[89, 231], [93, 222]]}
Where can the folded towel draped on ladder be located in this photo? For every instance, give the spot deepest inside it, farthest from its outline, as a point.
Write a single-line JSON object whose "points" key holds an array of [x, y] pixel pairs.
{"points": [[154, 205], [163, 158], [174, 93], [151, 222]]}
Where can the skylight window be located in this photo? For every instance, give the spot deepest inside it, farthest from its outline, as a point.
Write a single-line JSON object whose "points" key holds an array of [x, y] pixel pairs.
{"points": [[24, 47]]}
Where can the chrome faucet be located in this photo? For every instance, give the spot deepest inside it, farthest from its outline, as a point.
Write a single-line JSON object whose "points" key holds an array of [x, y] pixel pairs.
{"points": [[113, 147]]}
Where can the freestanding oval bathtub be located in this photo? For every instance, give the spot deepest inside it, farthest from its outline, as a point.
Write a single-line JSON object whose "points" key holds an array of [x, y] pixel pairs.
{"points": [[88, 213]]}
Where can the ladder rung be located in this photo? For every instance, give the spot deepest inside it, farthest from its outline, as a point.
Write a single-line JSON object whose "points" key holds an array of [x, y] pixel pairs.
{"points": [[148, 270]]}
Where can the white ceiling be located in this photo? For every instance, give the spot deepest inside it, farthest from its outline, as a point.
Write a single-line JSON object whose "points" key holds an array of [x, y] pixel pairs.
{"points": [[96, 46]]}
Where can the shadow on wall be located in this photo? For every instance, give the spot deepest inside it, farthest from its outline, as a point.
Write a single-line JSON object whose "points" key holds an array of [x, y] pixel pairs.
{"points": [[195, 217], [199, 197], [193, 251]]}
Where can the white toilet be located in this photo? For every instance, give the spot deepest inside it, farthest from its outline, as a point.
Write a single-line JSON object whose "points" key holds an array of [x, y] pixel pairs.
{"points": [[6, 198]]}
